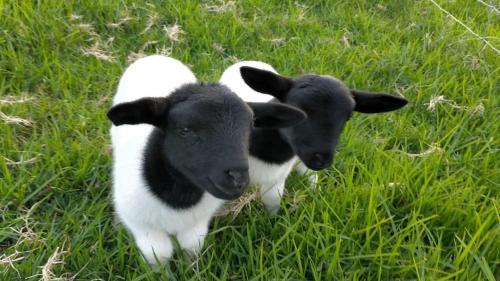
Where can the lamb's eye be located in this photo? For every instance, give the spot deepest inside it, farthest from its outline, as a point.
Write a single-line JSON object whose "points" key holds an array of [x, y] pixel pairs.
{"points": [[186, 132], [252, 123]]}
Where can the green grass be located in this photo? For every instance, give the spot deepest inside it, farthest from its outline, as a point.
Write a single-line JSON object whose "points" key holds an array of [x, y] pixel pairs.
{"points": [[380, 213]]}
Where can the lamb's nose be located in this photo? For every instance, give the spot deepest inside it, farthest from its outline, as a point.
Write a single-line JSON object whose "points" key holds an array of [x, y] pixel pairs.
{"points": [[322, 159], [240, 178]]}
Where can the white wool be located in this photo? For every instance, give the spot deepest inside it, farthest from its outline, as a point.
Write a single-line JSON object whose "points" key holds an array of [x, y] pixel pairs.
{"points": [[232, 79]]}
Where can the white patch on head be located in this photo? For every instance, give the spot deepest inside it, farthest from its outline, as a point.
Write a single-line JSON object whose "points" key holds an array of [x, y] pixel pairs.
{"points": [[233, 80]]}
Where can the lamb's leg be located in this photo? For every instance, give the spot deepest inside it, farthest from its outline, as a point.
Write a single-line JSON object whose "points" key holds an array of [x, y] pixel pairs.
{"points": [[192, 239], [271, 197], [155, 245], [312, 176]]}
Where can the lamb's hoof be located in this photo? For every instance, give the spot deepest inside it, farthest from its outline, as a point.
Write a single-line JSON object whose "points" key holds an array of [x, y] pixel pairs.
{"points": [[191, 256], [156, 267], [273, 210], [313, 180]]}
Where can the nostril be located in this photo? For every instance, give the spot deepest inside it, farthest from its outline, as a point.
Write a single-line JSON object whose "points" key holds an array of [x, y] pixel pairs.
{"points": [[322, 158], [238, 177], [242, 183], [319, 157], [231, 174]]}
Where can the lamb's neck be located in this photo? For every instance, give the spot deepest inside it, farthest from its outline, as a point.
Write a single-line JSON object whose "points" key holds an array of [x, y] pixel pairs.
{"points": [[163, 180], [269, 145]]}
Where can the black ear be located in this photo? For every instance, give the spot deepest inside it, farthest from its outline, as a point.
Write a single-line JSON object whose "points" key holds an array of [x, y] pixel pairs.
{"points": [[276, 115], [143, 111], [367, 102], [266, 82]]}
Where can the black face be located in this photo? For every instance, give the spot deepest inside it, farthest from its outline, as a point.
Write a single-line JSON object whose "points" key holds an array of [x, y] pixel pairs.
{"points": [[206, 131], [328, 104], [207, 141]]}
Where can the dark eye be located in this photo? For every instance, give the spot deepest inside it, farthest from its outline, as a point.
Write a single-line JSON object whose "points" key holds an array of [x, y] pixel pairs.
{"points": [[186, 132]]}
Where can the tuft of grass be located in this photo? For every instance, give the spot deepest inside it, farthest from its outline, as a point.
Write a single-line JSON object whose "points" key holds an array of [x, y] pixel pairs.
{"points": [[413, 194]]}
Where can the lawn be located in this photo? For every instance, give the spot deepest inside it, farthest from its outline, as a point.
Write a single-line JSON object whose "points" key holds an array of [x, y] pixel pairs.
{"points": [[412, 195]]}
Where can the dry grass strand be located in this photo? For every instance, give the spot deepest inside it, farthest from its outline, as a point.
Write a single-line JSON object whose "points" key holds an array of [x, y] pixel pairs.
{"points": [[173, 32], [9, 260], [477, 110], [75, 17], [221, 7], [21, 161], [15, 120], [235, 207], [85, 27], [433, 149], [278, 41], [54, 259], [121, 22], [9, 100], [97, 50], [133, 56], [151, 21]]}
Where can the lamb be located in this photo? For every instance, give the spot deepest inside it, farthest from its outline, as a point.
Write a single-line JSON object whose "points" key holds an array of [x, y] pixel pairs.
{"points": [[328, 103], [180, 148]]}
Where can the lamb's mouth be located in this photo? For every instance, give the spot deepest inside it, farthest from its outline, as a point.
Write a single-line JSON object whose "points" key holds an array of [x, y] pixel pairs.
{"points": [[221, 192]]}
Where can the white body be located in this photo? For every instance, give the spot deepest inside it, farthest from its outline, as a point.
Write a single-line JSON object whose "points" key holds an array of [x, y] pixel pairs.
{"points": [[270, 178], [150, 220]]}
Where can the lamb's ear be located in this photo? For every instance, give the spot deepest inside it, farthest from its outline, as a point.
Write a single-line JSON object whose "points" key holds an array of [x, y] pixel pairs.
{"points": [[266, 82], [276, 115], [367, 102], [143, 111]]}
